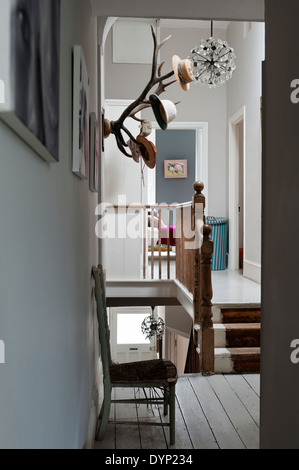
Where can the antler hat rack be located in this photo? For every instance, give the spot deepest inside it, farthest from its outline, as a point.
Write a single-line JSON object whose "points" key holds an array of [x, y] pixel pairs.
{"points": [[159, 81]]}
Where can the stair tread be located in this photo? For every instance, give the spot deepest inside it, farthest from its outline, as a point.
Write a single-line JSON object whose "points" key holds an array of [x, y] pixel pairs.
{"points": [[241, 315], [246, 351], [242, 326]]}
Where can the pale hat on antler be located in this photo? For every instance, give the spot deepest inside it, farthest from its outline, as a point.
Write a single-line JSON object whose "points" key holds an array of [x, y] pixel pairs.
{"points": [[146, 128], [165, 111], [183, 72], [135, 150]]}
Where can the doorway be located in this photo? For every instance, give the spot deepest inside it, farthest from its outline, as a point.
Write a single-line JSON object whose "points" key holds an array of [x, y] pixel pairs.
{"points": [[237, 156], [128, 344], [201, 136]]}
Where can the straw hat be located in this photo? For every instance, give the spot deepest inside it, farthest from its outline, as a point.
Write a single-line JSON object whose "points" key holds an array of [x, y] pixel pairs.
{"points": [[148, 151], [165, 111], [183, 72]]}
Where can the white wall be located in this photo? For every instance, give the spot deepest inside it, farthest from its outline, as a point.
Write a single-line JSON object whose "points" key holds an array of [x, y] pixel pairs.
{"points": [[245, 90], [47, 249]]}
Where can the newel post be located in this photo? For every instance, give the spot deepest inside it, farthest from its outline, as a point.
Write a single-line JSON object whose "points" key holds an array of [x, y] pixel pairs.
{"points": [[203, 293], [206, 331], [199, 203]]}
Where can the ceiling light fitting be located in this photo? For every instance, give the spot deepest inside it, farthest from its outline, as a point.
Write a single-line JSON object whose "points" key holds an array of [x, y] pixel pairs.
{"points": [[153, 326], [212, 61]]}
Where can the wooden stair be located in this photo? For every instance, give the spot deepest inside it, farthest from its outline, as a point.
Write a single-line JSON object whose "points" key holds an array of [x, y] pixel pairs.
{"points": [[237, 339]]}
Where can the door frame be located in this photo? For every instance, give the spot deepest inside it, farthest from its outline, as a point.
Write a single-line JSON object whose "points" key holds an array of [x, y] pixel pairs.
{"points": [[202, 147], [233, 187]]}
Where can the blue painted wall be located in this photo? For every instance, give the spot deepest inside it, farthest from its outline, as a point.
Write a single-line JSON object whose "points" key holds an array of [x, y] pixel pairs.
{"points": [[175, 144]]}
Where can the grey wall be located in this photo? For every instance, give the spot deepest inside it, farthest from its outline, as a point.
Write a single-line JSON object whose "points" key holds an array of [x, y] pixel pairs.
{"points": [[47, 247], [175, 145], [280, 293]]}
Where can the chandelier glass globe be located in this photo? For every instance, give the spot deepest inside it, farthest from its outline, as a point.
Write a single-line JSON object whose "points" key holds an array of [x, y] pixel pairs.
{"points": [[213, 62], [153, 326]]}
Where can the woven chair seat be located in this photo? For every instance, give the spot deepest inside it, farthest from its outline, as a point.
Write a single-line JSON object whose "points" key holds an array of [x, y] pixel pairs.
{"points": [[160, 372]]}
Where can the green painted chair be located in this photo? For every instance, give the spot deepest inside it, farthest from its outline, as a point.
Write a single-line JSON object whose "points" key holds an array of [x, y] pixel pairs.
{"points": [[154, 374]]}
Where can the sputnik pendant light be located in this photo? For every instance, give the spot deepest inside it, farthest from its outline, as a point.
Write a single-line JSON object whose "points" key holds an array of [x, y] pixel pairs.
{"points": [[213, 61], [153, 326]]}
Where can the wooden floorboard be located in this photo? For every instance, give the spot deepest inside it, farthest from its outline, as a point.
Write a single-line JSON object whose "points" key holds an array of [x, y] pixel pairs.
{"points": [[217, 412], [242, 421]]}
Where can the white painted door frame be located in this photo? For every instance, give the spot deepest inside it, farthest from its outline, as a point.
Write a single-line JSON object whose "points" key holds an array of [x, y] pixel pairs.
{"points": [[202, 164], [233, 186]]}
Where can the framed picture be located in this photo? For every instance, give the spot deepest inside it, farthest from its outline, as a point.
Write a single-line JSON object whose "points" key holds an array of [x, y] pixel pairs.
{"points": [[94, 154], [29, 72], [175, 169], [80, 115]]}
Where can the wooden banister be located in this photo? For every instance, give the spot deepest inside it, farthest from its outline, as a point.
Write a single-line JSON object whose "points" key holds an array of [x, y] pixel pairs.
{"points": [[206, 331], [203, 332]]}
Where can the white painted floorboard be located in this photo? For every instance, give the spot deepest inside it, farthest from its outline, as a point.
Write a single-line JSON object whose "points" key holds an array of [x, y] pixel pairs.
{"points": [[217, 412]]}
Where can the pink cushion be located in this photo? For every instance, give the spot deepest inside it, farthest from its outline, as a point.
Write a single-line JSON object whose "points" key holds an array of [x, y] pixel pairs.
{"points": [[164, 236]]}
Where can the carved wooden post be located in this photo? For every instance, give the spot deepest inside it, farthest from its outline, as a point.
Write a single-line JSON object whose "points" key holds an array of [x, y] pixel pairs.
{"points": [[197, 212], [206, 332], [199, 202]]}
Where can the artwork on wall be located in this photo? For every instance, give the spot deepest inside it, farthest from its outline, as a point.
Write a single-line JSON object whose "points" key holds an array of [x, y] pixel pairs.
{"points": [[29, 72], [94, 154], [175, 169], [80, 115]]}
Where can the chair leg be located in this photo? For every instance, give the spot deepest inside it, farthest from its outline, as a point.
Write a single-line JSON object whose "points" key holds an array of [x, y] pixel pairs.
{"points": [[166, 401], [104, 414], [172, 413]]}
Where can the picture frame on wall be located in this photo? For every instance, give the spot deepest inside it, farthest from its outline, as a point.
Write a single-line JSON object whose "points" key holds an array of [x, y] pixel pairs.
{"points": [[30, 73], [174, 169], [80, 114], [94, 154]]}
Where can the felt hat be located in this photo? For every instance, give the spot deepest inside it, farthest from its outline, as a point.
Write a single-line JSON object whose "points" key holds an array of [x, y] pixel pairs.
{"points": [[146, 128], [135, 150], [183, 72], [148, 151], [165, 111]]}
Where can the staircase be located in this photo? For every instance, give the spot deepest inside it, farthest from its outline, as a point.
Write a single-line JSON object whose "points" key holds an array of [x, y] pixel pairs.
{"points": [[237, 339]]}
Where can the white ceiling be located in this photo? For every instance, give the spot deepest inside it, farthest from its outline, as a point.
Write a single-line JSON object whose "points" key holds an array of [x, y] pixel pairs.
{"points": [[223, 10], [193, 24], [174, 23]]}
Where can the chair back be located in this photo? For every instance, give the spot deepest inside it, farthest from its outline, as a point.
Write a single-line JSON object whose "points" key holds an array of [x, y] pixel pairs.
{"points": [[104, 334]]}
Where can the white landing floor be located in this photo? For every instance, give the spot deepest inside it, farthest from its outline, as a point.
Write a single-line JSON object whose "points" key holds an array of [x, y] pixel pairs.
{"points": [[217, 412], [230, 287]]}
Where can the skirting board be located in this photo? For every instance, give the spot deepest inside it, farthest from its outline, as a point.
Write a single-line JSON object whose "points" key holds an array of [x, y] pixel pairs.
{"points": [[89, 444], [252, 271]]}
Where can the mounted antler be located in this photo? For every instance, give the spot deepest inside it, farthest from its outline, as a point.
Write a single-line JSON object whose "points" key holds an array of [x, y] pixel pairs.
{"points": [[117, 127]]}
